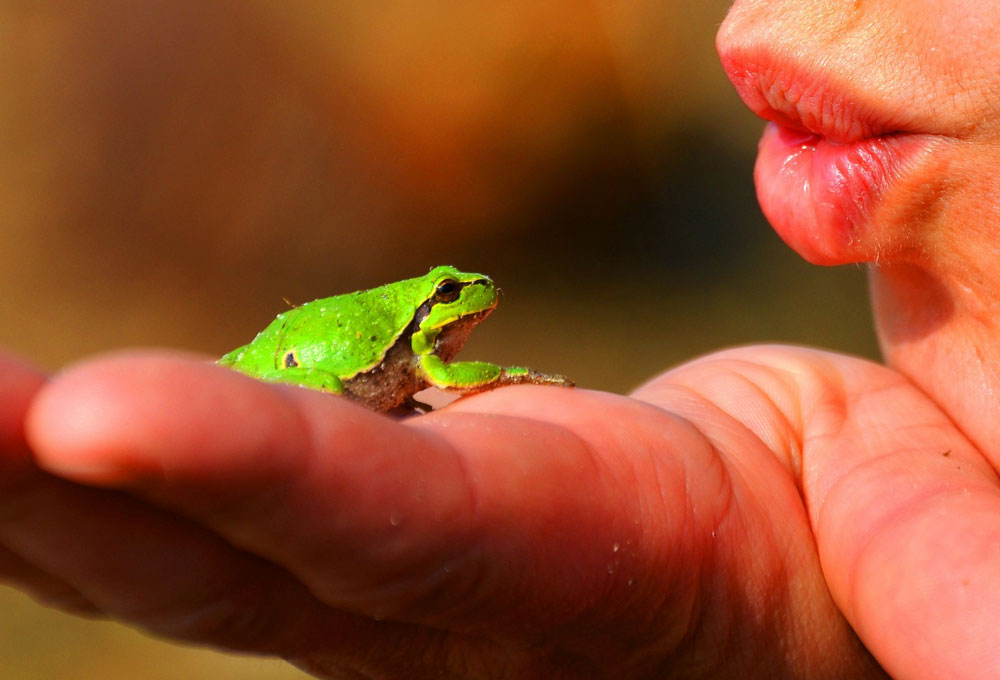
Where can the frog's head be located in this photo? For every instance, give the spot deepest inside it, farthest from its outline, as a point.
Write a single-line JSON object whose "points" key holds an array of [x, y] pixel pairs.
{"points": [[455, 302]]}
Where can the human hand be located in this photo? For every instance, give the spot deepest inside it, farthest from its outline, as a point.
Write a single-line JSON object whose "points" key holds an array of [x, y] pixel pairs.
{"points": [[525, 532]]}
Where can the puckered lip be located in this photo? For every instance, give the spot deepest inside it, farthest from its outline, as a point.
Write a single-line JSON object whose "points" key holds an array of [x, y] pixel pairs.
{"points": [[806, 99]]}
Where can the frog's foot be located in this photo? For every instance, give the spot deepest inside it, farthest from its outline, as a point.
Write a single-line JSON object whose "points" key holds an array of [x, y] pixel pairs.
{"points": [[312, 378], [469, 377]]}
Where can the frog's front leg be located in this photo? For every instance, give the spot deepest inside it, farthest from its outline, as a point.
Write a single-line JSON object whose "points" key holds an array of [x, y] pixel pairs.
{"points": [[476, 376], [313, 378]]}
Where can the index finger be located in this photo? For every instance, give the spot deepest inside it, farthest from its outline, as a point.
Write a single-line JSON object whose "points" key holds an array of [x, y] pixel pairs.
{"points": [[372, 514]]}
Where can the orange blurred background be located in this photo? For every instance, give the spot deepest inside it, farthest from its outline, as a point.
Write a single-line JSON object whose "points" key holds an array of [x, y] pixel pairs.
{"points": [[170, 171]]}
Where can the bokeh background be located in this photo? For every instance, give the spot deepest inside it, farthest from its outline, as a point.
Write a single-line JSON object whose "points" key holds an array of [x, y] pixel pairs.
{"points": [[172, 170]]}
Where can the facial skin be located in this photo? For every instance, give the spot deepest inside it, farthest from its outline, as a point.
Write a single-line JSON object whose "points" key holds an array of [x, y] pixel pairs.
{"points": [[928, 74], [764, 512]]}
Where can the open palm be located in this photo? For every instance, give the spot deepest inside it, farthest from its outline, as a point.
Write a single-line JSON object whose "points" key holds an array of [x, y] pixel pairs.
{"points": [[741, 516]]}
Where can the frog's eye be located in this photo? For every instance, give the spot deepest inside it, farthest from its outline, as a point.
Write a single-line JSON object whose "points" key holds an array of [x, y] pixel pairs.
{"points": [[447, 291]]}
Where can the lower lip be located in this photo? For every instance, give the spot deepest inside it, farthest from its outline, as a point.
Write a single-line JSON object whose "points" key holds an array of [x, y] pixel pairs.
{"points": [[821, 196]]}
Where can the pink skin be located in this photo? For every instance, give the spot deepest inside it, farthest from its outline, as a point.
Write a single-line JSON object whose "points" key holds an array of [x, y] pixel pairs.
{"points": [[764, 512]]}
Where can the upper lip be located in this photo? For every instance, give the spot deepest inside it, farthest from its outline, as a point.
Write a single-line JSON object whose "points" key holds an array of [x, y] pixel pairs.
{"points": [[807, 100]]}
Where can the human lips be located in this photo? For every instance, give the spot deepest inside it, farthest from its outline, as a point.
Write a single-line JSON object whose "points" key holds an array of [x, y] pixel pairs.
{"points": [[827, 159], [821, 196]]}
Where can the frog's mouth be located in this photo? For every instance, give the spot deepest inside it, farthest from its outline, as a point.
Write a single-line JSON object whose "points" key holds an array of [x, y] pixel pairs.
{"points": [[453, 336]]}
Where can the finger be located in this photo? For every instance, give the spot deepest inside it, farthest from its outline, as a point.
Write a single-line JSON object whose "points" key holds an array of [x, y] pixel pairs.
{"points": [[91, 551], [18, 385], [140, 564], [908, 518], [276, 470], [102, 552], [432, 520], [44, 588]]}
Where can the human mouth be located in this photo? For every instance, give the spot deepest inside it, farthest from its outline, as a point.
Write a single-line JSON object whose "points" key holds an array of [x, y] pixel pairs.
{"points": [[827, 161]]}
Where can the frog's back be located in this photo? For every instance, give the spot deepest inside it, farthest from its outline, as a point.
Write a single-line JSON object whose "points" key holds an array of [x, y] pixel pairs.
{"points": [[343, 335]]}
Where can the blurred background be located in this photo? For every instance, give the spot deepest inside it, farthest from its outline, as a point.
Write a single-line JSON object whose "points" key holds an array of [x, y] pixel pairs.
{"points": [[171, 170]]}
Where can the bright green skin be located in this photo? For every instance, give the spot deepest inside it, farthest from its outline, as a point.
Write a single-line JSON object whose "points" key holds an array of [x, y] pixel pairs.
{"points": [[381, 346]]}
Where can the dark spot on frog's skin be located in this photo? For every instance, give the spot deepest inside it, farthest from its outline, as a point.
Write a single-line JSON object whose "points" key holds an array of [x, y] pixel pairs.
{"points": [[374, 338], [290, 360], [947, 453]]}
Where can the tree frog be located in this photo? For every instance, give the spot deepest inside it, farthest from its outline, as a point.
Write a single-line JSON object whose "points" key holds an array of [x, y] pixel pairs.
{"points": [[381, 346]]}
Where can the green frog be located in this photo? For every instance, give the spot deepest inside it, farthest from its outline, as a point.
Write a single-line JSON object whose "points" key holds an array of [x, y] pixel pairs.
{"points": [[381, 346]]}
